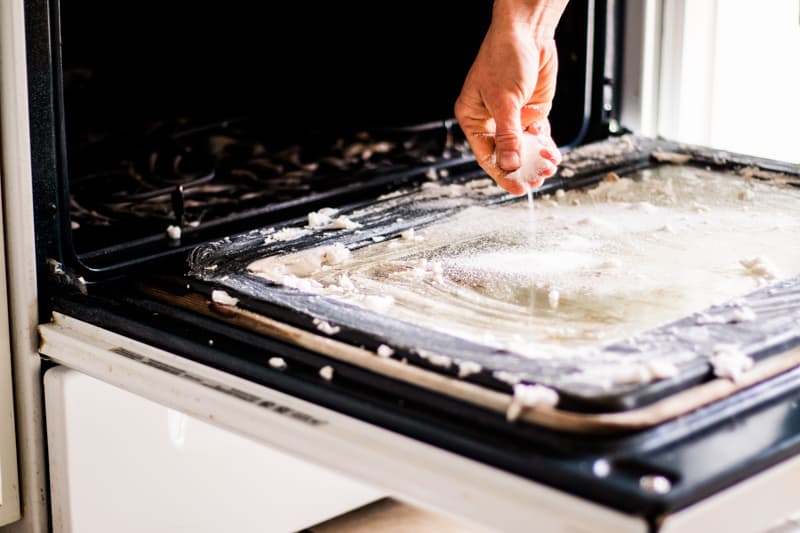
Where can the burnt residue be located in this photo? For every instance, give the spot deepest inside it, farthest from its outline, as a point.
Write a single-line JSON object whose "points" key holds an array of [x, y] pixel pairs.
{"points": [[131, 186]]}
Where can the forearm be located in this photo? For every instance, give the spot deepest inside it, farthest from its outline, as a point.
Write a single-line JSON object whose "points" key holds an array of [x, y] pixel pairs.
{"points": [[537, 18]]}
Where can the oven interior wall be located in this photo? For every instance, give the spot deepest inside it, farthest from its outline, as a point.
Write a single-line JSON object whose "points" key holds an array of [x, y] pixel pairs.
{"points": [[293, 66], [397, 63]]}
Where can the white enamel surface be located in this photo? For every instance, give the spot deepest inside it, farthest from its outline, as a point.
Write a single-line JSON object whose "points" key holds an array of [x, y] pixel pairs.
{"points": [[122, 463], [18, 298]]}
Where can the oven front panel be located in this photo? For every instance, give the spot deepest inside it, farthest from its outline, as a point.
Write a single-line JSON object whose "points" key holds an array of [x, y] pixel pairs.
{"points": [[660, 477]]}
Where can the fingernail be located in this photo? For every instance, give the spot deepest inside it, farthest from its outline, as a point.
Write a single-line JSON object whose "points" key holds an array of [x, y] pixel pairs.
{"points": [[509, 160], [547, 170]]}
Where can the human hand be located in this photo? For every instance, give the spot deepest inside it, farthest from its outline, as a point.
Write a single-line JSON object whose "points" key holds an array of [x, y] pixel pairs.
{"points": [[507, 95]]}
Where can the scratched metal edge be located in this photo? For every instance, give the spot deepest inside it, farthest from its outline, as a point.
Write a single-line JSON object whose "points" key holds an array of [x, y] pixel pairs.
{"points": [[774, 331]]}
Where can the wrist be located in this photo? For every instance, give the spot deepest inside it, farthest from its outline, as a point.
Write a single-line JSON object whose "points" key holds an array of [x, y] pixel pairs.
{"points": [[537, 18]]}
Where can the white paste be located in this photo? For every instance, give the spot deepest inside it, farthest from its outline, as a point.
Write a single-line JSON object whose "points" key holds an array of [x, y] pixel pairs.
{"points": [[222, 297], [730, 362]]}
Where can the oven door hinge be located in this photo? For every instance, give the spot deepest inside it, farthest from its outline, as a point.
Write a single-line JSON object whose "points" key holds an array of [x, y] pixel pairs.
{"points": [[62, 277]]}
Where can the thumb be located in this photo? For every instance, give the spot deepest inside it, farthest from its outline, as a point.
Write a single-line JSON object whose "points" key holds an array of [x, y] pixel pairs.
{"points": [[508, 135]]}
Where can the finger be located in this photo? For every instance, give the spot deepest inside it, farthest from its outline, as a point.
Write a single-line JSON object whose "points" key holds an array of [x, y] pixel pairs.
{"points": [[535, 183], [483, 149], [551, 155], [546, 83], [507, 139], [533, 114], [547, 170], [550, 145], [515, 187]]}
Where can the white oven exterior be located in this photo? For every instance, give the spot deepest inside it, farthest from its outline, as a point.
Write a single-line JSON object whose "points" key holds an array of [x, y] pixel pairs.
{"points": [[20, 422], [9, 478]]}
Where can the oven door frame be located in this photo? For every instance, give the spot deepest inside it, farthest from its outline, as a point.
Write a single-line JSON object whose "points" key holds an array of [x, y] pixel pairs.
{"points": [[22, 476], [406, 468]]}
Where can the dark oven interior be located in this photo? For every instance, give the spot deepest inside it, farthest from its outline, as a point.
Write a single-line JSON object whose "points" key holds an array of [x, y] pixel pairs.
{"points": [[210, 118]]}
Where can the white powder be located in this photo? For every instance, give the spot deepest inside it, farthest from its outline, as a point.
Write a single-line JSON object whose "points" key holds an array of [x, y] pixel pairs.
{"points": [[530, 396], [326, 327], [289, 234], [346, 283], [378, 303], [326, 373], [553, 298], [334, 254], [743, 314], [732, 315], [506, 377], [644, 207], [611, 284], [344, 222], [317, 219], [174, 232], [760, 267], [730, 362], [384, 351], [277, 362], [703, 319], [746, 195], [222, 297], [532, 162], [436, 359], [324, 219], [302, 264], [623, 372], [408, 235], [662, 369], [467, 368]]}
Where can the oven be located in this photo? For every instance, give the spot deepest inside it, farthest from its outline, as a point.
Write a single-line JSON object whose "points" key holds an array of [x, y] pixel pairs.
{"points": [[256, 279]]}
